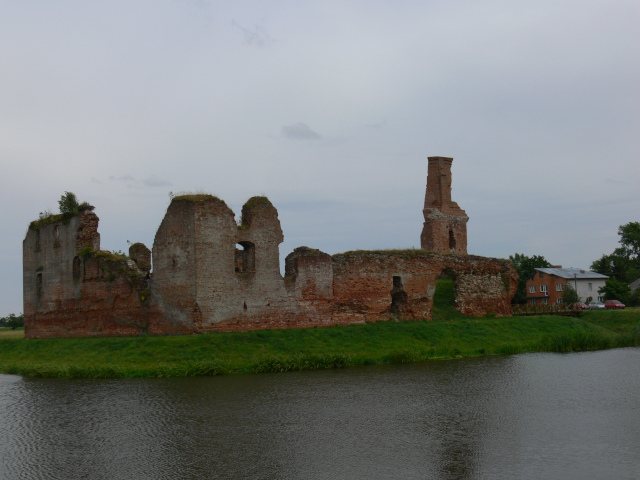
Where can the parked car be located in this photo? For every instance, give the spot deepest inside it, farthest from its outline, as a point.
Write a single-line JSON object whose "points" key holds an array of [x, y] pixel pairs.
{"points": [[580, 306], [596, 306], [613, 304]]}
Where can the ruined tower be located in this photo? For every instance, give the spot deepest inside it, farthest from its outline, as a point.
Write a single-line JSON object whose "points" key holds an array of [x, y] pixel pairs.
{"points": [[445, 223]]}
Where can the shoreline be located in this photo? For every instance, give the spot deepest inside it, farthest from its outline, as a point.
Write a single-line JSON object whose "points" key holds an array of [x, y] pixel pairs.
{"points": [[268, 351]]}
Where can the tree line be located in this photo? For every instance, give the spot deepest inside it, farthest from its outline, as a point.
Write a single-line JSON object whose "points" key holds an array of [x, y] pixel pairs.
{"points": [[12, 321]]}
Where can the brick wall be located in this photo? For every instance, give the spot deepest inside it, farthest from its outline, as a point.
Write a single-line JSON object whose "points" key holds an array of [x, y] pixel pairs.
{"points": [[211, 274]]}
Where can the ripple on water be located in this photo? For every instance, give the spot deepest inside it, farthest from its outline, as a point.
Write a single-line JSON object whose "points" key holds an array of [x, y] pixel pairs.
{"points": [[523, 416]]}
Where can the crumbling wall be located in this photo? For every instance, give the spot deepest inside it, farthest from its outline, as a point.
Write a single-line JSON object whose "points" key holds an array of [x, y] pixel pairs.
{"points": [[445, 223], [73, 289], [378, 285], [211, 273]]}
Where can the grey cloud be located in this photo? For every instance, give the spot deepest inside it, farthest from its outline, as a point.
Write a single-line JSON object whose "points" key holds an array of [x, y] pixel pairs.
{"points": [[256, 36], [123, 178], [155, 181], [300, 131], [377, 125]]}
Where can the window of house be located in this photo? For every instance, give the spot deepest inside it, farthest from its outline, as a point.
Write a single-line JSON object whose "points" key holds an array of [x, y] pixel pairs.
{"points": [[532, 289], [590, 286], [532, 301], [543, 289], [541, 274], [545, 300], [559, 287], [560, 300]]}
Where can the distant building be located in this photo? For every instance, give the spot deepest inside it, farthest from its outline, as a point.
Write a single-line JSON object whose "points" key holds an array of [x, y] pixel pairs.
{"points": [[546, 285], [634, 285]]}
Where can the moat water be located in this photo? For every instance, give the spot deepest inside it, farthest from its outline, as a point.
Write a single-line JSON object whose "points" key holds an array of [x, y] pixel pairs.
{"points": [[551, 416]]}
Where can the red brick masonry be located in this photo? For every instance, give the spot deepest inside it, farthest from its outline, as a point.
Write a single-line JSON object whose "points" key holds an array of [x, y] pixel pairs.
{"points": [[211, 274]]}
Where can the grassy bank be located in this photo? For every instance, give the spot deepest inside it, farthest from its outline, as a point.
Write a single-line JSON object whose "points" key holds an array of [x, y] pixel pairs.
{"points": [[448, 336]]}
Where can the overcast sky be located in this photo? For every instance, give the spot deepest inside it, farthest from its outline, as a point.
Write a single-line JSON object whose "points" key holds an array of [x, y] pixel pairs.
{"points": [[330, 109]]}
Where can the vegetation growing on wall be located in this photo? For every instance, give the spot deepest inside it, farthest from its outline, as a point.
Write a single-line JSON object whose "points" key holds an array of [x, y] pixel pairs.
{"points": [[404, 253], [192, 197], [249, 205], [68, 205]]}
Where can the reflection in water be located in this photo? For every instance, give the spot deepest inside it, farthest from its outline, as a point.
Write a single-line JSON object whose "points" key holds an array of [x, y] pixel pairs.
{"points": [[525, 416]]}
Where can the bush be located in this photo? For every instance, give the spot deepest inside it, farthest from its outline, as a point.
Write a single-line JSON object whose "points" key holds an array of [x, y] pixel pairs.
{"points": [[68, 204], [570, 295]]}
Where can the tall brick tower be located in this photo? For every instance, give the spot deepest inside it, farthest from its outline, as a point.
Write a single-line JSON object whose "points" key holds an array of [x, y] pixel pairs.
{"points": [[445, 223]]}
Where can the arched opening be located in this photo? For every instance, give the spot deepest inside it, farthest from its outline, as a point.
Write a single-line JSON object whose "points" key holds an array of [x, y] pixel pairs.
{"points": [[444, 297], [245, 258], [37, 240], [398, 297], [39, 285], [452, 241], [76, 268]]}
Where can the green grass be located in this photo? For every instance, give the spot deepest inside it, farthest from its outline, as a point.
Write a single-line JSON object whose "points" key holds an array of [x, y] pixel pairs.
{"points": [[8, 333], [449, 335]]}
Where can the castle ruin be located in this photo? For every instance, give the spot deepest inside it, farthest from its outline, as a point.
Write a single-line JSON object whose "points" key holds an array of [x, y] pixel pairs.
{"points": [[212, 274]]}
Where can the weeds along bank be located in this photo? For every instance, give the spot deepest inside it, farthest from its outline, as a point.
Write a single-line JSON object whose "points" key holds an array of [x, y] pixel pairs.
{"points": [[316, 348]]}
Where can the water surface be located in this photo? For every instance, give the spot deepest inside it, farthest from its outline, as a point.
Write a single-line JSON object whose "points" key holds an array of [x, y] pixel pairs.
{"points": [[523, 416]]}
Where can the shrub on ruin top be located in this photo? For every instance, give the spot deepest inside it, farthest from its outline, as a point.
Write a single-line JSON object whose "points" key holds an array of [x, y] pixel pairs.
{"points": [[194, 197], [69, 207], [405, 253], [250, 204]]}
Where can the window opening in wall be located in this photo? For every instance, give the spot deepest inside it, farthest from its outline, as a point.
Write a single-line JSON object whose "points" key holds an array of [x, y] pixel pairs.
{"points": [[532, 289], [543, 289], [56, 236], [590, 286], [452, 241], [398, 297], [245, 258], [245, 306], [76, 268], [545, 300], [37, 240], [39, 285], [559, 287]]}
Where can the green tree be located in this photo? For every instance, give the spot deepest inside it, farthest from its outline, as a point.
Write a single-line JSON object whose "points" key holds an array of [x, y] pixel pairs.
{"points": [[634, 299], [68, 204], [526, 266], [624, 263], [13, 321], [630, 238], [614, 289], [570, 295]]}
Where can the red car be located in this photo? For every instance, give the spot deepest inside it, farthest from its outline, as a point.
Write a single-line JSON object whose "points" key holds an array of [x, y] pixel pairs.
{"points": [[581, 306], [613, 304]]}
